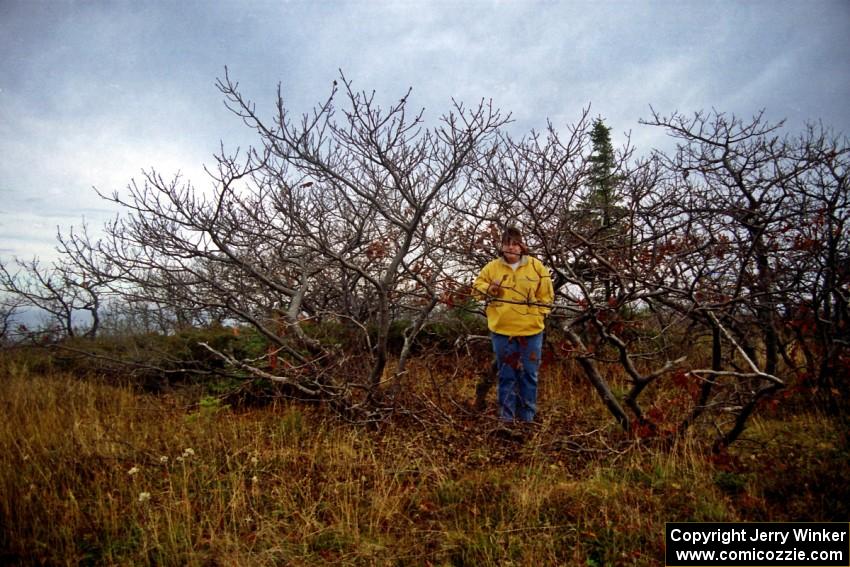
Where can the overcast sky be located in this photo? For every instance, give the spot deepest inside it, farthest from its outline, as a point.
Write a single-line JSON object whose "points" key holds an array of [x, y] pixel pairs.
{"points": [[93, 92]]}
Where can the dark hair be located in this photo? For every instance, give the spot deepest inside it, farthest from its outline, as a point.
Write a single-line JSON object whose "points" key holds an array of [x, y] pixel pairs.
{"points": [[513, 234]]}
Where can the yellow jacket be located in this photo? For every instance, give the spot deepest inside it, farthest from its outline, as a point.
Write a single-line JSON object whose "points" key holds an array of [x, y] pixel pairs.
{"points": [[524, 299]]}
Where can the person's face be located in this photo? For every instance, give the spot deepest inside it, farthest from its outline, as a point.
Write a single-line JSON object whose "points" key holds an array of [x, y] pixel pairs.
{"points": [[511, 251]]}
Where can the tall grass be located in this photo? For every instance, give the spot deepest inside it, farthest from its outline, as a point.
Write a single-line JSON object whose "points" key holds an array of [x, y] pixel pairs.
{"points": [[98, 474]]}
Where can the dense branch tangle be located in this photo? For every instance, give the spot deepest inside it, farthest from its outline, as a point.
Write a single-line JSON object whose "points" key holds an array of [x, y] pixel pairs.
{"points": [[719, 270], [358, 193]]}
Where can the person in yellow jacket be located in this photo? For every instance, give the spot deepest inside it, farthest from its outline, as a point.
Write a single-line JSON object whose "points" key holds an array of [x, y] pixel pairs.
{"points": [[517, 289]]}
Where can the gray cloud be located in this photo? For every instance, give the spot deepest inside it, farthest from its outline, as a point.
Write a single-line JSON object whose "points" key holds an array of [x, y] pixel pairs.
{"points": [[92, 93]]}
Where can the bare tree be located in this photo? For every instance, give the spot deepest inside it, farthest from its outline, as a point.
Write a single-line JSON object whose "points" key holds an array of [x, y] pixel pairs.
{"points": [[59, 290], [9, 306], [701, 249], [816, 271], [741, 189], [332, 218]]}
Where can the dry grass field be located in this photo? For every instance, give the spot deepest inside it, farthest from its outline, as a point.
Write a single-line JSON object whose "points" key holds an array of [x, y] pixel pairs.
{"points": [[94, 473]]}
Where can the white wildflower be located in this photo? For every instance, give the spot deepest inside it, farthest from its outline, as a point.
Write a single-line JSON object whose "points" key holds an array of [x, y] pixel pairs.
{"points": [[254, 461], [188, 453], [144, 496], [255, 479], [164, 460], [133, 471]]}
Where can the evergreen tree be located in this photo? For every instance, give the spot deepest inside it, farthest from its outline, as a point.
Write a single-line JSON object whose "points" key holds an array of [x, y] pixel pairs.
{"points": [[600, 211], [602, 199]]}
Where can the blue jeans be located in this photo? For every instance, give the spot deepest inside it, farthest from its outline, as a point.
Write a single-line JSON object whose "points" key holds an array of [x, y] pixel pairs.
{"points": [[518, 359]]}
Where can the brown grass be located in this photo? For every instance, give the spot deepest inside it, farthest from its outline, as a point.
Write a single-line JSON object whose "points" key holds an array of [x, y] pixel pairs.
{"points": [[91, 473]]}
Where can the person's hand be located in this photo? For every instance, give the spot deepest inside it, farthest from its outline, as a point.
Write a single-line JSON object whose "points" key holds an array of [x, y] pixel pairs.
{"points": [[495, 288]]}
